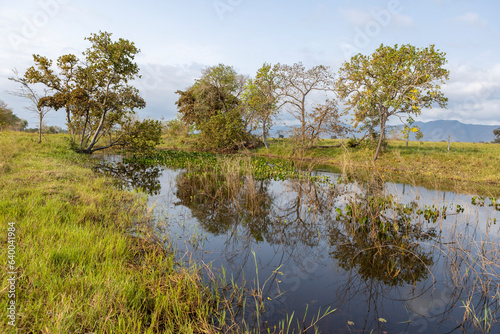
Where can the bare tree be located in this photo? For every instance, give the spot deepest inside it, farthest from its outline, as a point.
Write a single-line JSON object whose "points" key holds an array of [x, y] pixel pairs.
{"points": [[28, 91], [325, 118], [296, 87]]}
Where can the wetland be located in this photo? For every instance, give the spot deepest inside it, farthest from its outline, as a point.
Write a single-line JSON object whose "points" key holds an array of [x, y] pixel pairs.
{"points": [[339, 253]]}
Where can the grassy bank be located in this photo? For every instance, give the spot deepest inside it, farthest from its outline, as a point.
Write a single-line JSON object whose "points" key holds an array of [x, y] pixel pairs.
{"points": [[78, 268], [466, 167]]}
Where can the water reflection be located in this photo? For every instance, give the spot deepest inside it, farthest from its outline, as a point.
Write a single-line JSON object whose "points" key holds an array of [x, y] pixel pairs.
{"points": [[221, 205], [132, 176], [357, 247]]}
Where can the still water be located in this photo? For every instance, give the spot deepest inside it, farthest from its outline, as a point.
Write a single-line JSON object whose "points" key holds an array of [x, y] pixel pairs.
{"points": [[430, 265]]}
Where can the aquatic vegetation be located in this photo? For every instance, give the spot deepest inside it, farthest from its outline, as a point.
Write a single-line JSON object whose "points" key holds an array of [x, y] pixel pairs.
{"points": [[387, 248], [199, 162]]}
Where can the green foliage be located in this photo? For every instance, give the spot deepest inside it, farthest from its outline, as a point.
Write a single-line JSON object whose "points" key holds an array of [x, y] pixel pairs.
{"points": [[223, 130], [410, 128], [212, 106], [393, 80], [260, 99], [175, 128], [142, 136], [496, 132], [95, 92], [8, 120]]}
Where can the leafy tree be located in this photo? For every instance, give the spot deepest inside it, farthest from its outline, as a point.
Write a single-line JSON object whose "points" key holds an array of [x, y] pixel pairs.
{"points": [[296, 88], [496, 132], [212, 105], [10, 121], [175, 128], [100, 103], [223, 130], [410, 128], [392, 81], [261, 99]]}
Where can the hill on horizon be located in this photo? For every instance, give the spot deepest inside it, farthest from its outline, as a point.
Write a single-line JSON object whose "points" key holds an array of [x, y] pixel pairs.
{"points": [[432, 131], [458, 131]]}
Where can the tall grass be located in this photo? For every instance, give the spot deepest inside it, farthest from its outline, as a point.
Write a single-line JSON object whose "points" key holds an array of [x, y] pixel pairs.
{"points": [[79, 267], [88, 259]]}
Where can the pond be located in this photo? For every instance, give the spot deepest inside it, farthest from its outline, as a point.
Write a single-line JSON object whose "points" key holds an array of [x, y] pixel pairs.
{"points": [[389, 258]]}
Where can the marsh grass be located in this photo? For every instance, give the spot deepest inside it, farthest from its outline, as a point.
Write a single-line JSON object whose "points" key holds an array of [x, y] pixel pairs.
{"points": [[467, 167], [89, 261], [83, 261], [394, 242]]}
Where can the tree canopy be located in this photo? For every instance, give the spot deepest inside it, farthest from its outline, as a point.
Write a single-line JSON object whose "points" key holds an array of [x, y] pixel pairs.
{"points": [[212, 105], [393, 81], [96, 94], [261, 100], [8, 120], [496, 132]]}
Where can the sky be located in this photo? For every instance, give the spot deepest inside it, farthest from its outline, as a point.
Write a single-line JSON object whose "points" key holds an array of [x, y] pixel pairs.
{"points": [[178, 39]]}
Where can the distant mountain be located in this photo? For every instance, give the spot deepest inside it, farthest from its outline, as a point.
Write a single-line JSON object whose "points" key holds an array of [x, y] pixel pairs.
{"points": [[432, 131], [458, 132]]}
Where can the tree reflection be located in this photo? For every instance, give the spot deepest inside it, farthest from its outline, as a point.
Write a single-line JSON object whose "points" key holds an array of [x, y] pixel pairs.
{"points": [[302, 213], [220, 204], [381, 239], [386, 249], [371, 233], [133, 176]]}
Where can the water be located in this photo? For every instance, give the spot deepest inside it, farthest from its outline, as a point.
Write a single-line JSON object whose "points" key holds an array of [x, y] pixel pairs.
{"points": [[289, 237]]}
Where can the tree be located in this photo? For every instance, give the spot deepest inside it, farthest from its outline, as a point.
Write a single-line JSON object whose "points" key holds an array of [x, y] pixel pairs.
{"points": [[212, 105], [29, 92], [260, 98], [410, 128], [296, 87], [100, 103], [399, 80], [496, 132], [10, 121]]}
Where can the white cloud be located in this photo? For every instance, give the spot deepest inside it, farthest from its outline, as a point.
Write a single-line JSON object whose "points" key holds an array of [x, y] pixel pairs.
{"points": [[356, 16], [472, 19], [384, 17], [403, 20]]}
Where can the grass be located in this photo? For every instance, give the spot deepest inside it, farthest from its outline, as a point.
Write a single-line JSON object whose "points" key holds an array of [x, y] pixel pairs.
{"points": [[468, 167], [79, 269], [87, 261]]}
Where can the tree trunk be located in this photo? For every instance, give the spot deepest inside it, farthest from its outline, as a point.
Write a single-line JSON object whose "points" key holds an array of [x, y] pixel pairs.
{"points": [[382, 136], [40, 114], [68, 120], [264, 133]]}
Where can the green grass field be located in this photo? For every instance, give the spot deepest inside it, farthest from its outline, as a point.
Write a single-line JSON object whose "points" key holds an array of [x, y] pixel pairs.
{"points": [[78, 268], [466, 167]]}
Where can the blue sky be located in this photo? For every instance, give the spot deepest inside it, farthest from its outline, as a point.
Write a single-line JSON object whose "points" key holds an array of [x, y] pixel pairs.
{"points": [[180, 38]]}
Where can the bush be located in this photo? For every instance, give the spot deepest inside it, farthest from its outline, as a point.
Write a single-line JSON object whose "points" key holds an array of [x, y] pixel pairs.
{"points": [[223, 130], [175, 128]]}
